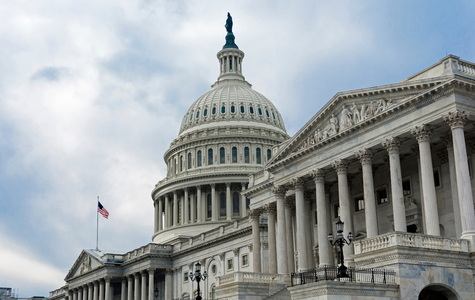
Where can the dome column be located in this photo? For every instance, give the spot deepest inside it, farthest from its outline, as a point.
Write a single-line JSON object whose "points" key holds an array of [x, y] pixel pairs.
{"points": [[243, 201], [229, 205], [186, 214], [214, 206], [199, 204], [175, 208]]}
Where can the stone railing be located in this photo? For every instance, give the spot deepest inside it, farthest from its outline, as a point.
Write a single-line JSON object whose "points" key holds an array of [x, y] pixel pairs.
{"points": [[148, 249], [466, 67], [410, 240], [251, 277]]}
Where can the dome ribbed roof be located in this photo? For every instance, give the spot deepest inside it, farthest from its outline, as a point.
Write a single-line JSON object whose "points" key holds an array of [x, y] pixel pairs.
{"points": [[230, 101]]}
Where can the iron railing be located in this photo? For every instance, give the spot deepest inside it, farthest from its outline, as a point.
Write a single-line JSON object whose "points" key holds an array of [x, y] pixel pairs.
{"points": [[381, 276]]}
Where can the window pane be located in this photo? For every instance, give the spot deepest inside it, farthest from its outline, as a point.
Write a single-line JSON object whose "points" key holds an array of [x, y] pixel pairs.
{"points": [[222, 154], [234, 154], [246, 155], [258, 155], [222, 204], [199, 161], [236, 204], [210, 157], [189, 160], [269, 154]]}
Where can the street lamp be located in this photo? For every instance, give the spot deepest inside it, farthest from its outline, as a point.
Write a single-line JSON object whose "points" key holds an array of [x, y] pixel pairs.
{"points": [[340, 241], [198, 277]]}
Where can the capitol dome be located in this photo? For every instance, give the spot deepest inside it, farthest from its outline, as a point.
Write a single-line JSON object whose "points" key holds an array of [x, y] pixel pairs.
{"points": [[226, 134]]}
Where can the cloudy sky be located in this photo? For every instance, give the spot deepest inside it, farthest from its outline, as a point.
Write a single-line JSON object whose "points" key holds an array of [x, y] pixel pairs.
{"points": [[93, 92]]}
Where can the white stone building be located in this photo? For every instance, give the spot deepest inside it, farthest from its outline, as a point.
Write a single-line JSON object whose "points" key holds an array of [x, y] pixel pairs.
{"points": [[393, 162]]}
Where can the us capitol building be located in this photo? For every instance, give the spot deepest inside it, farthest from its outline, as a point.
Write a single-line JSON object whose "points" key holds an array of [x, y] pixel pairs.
{"points": [[254, 206]]}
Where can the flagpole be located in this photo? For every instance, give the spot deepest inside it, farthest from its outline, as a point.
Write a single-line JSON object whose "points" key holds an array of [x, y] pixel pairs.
{"points": [[97, 225]]}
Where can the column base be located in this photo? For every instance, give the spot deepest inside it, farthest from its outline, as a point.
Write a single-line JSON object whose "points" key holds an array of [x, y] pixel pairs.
{"points": [[470, 236]]}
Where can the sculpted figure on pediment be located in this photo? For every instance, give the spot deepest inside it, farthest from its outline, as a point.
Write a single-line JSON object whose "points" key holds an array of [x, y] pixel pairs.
{"points": [[86, 264], [356, 114], [318, 136], [331, 128], [346, 119]]}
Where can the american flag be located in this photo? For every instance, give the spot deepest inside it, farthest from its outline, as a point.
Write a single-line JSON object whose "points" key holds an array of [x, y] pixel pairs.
{"points": [[102, 210]]}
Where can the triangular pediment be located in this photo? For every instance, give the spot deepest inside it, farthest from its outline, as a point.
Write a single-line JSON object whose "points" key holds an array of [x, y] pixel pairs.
{"points": [[87, 261], [351, 111]]}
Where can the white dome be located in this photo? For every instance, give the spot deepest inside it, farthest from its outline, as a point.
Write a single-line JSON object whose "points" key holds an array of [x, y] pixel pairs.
{"points": [[232, 101]]}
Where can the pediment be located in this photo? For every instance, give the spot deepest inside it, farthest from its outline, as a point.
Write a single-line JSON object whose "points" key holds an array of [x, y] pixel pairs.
{"points": [[348, 112], [87, 261]]}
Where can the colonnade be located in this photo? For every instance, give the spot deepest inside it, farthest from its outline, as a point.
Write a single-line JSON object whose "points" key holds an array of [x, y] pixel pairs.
{"points": [[135, 286], [281, 253], [200, 203]]}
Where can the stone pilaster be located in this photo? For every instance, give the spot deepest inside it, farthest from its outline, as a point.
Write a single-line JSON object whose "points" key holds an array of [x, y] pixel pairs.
{"points": [[271, 210], [299, 186]]}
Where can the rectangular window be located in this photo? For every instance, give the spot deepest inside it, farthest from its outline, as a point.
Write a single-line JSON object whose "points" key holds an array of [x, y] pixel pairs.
{"points": [[245, 260], [359, 203], [185, 276], [406, 187], [230, 264], [436, 178], [382, 195]]}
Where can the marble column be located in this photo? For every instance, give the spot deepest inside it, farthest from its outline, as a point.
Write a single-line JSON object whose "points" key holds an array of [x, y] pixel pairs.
{"points": [[279, 194], [101, 290], [143, 285], [75, 294], [193, 208], [90, 290], [422, 134], [271, 214], [96, 290], [302, 255], [254, 215], [168, 284], [123, 289], [453, 184], [289, 233], [309, 231], [155, 219], [243, 209], [137, 286], [365, 156], [130, 287], [107, 295], [456, 120], [167, 212], [341, 167], [199, 205], [175, 208], [393, 145], [151, 283], [323, 213], [80, 293], [160, 214], [214, 206], [229, 203], [186, 211]]}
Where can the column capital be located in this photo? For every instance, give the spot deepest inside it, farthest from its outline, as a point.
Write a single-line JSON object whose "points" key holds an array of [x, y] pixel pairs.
{"points": [[279, 191], [340, 166], [318, 175], [228, 184], [185, 189], [254, 214], [392, 145], [297, 183], [236, 251], [365, 156], [456, 119], [422, 133], [213, 185], [271, 208], [151, 270]]}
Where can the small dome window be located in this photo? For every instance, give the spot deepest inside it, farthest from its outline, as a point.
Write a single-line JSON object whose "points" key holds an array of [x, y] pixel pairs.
{"points": [[213, 110], [259, 110], [242, 109], [223, 109], [197, 114], [205, 112], [251, 110], [273, 115], [233, 109], [267, 113]]}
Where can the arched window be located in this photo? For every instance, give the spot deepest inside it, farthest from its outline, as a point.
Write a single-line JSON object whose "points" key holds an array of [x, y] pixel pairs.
{"points": [[209, 206], [233, 109], [222, 204], [269, 154], [181, 163], [197, 114], [267, 113], [251, 110], [205, 112], [258, 156], [213, 110], [199, 157], [236, 204], [242, 109], [223, 109], [246, 155], [259, 110], [210, 157], [189, 160], [234, 155], [222, 155]]}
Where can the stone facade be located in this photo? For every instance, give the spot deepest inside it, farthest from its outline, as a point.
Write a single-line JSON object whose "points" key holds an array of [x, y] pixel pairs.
{"points": [[394, 163]]}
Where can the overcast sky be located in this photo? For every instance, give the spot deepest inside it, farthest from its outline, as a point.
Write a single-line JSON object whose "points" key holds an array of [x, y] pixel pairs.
{"points": [[93, 92]]}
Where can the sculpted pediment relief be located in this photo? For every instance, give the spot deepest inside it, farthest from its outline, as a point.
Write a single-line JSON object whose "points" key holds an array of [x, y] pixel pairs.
{"points": [[86, 262]]}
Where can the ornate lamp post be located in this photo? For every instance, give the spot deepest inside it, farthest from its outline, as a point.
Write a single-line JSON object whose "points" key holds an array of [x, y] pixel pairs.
{"points": [[198, 277], [340, 242]]}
